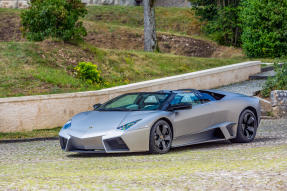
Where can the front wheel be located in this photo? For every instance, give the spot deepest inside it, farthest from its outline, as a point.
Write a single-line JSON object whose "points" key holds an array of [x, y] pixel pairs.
{"points": [[247, 127], [160, 137]]}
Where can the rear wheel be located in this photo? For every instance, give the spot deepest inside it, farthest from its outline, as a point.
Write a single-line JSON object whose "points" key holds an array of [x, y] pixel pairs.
{"points": [[160, 137], [247, 127]]}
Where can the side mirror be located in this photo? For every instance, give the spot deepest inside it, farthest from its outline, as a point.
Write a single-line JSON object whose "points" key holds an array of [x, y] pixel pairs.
{"points": [[181, 106], [96, 106]]}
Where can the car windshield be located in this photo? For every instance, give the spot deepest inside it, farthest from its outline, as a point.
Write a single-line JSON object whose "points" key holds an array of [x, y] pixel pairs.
{"points": [[136, 102]]}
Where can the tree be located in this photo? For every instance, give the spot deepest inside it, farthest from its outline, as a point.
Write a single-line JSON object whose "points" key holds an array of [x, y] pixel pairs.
{"points": [[223, 24], [150, 41], [264, 27]]}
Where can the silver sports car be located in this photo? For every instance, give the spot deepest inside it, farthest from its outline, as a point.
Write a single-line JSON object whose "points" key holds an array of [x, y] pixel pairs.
{"points": [[158, 121]]}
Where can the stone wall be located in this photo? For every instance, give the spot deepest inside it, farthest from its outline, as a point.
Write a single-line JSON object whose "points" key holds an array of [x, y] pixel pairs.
{"points": [[164, 3], [13, 4], [49, 111], [279, 103], [173, 3], [110, 2]]}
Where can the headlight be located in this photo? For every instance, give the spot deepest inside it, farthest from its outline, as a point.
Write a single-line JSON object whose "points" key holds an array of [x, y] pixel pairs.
{"points": [[68, 124], [128, 125]]}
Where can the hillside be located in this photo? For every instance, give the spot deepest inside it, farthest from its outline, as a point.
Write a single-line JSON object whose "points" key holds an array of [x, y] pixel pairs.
{"points": [[114, 43]]}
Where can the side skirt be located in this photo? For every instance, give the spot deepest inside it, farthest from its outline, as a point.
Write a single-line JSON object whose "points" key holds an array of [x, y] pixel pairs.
{"points": [[219, 132]]}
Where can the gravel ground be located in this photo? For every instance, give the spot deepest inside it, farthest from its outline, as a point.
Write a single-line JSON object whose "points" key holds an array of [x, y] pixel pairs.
{"points": [[246, 87], [261, 165]]}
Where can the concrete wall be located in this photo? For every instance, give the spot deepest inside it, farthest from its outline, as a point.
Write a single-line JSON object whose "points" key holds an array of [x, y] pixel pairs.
{"points": [[49, 111]]}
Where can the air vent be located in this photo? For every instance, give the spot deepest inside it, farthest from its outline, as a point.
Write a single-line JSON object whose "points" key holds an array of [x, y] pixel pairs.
{"points": [[115, 144], [63, 143]]}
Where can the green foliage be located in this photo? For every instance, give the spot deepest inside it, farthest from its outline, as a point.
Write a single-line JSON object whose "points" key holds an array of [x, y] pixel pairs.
{"points": [[54, 18], [88, 72], [225, 28], [278, 82], [223, 22], [264, 27], [206, 9]]}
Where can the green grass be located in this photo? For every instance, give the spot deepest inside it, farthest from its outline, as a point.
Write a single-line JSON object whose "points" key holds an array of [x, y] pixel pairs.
{"points": [[174, 20], [43, 133]]}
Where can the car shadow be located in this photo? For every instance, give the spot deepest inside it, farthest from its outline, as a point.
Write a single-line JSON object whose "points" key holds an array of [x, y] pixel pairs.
{"points": [[201, 146]]}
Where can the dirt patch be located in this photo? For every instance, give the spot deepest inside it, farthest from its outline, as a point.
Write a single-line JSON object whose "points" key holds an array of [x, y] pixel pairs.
{"points": [[126, 39], [179, 45], [227, 52], [10, 27], [185, 46]]}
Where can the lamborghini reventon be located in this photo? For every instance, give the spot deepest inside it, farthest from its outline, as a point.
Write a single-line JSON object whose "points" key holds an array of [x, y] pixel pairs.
{"points": [[159, 121]]}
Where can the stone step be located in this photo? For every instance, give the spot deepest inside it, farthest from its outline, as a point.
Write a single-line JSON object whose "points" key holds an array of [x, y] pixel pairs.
{"points": [[269, 67], [263, 75]]}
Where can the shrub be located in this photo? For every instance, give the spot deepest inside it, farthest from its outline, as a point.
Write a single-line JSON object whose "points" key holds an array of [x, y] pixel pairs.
{"points": [[88, 72], [278, 82], [264, 27], [54, 18]]}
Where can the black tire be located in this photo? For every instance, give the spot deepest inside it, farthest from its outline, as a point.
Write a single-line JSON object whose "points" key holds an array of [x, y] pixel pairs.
{"points": [[247, 127], [160, 138]]}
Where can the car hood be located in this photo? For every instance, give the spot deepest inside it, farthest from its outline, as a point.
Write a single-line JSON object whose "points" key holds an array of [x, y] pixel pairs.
{"points": [[103, 121]]}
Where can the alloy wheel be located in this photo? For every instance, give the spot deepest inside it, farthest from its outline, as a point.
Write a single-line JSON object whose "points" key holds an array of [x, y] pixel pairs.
{"points": [[248, 125], [162, 136]]}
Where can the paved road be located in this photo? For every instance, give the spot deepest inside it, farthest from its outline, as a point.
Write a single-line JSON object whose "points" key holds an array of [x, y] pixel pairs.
{"points": [[261, 165]]}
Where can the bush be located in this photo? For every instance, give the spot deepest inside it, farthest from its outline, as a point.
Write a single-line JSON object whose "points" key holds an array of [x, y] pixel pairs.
{"points": [[54, 18], [88, 72], [264, 27], [278, 82]]}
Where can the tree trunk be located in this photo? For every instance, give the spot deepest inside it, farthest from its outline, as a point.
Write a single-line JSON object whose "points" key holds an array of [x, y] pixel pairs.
{"points": [[150, 41]]}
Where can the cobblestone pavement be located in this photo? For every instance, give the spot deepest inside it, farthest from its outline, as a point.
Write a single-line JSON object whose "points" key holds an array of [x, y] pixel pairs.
{"points": [[261, 165]]}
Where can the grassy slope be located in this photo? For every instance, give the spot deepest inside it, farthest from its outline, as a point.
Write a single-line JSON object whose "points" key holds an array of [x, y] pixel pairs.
{"points": [[173, 20], [28, 68], [35, 68]]}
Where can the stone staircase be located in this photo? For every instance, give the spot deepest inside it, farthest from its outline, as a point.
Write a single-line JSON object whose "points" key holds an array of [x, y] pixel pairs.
{"points": [[252, 87]]}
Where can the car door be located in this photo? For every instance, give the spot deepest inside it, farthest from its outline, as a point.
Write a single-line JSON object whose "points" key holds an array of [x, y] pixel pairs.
{"points": [[195, 120]]}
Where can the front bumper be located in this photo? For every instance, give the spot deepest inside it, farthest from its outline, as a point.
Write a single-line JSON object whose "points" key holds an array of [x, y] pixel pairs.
{"points": [[130, 141], [94, 144]]}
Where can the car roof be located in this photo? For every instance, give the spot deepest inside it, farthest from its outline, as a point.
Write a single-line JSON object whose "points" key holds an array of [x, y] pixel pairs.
{"points": [[170, 91], [179, 91]]}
